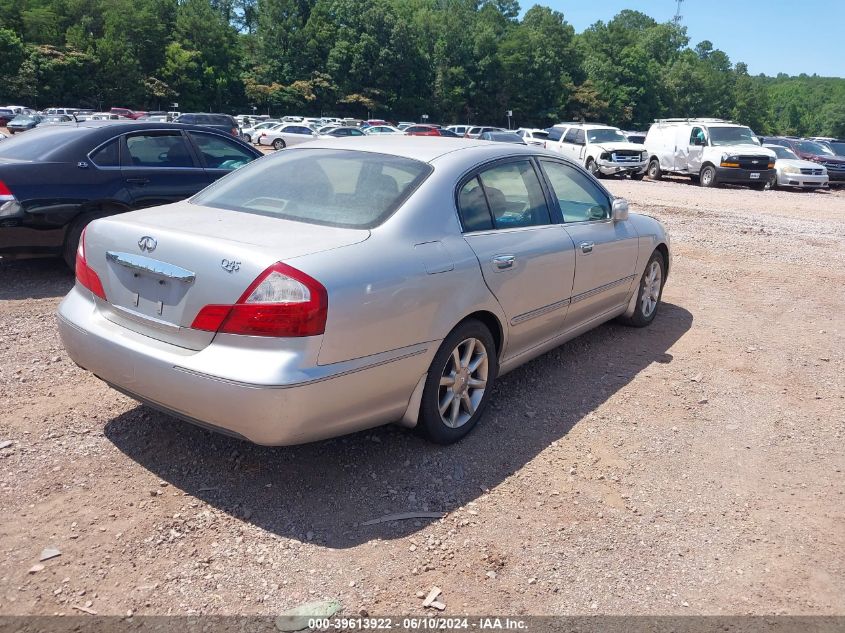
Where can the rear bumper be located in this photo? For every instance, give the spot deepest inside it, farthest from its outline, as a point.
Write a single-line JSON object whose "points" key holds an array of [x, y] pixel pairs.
{"points": [[736, 176], [299, 405]]}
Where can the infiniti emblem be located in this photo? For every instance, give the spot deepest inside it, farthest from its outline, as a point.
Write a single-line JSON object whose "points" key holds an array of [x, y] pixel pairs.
{"points": [[147, 244]]}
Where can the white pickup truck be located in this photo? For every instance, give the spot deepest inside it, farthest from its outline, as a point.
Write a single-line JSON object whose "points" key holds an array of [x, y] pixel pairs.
{"points": [[603, 150]]}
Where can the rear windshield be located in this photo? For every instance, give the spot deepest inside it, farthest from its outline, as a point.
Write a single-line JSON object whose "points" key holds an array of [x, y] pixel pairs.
{"points": [[331, 187], [37, 143]]}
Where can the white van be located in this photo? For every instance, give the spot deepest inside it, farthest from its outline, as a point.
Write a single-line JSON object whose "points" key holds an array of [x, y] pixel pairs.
{"points": [[602, 150], [67, 111], [709, 151]]}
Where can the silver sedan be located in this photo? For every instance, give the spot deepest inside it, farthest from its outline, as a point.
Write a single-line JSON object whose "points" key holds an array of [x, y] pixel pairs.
{"points": [[335, 286]]}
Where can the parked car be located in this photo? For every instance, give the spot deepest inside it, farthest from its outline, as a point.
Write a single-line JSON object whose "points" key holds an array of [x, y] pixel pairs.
{"points": [[286, 135], [53, 181], [709, 151], [637, 138], [794, 172], [428, 130], [127, 113], [223, 122], [61, 111], [6, 115], [279, 306], [460, 130], [403, 125], [602, 149], [56, 119], [342, 132], [383, 129], [815, 152], [837, 146], [250, 134], [502, 137], [478, 130], [533, 136], [24, 122], [109, 116]]}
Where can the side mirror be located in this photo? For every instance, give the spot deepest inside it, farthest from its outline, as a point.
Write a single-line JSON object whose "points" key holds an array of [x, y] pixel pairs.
{"points": [[619, 211]]}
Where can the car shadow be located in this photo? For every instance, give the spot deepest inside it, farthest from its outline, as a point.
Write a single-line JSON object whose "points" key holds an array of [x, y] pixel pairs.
{"points": [[34, 279], [324, 492]]}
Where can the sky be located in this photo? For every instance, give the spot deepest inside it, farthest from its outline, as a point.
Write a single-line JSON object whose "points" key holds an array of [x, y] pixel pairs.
{"points": [[771, 36]]}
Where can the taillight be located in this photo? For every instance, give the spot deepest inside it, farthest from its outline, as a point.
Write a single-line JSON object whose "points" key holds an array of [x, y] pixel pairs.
{"points": [[5, 192], [85, 275], [282, 301]]}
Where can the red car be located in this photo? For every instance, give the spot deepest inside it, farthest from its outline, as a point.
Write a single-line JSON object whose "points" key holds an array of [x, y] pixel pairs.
{"points": [[429, 130], [129, 114]]}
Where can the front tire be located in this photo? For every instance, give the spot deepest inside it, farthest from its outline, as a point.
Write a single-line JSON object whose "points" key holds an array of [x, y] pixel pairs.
{"points": [[278, 144], [593, 168], [654, 172], [707, 177], [459, 383], [637, 176], [650, 292], [772, 182], [247, 138]]}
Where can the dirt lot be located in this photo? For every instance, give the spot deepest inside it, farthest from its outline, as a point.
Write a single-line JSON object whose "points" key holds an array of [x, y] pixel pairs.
{"points": [[694, 467]]}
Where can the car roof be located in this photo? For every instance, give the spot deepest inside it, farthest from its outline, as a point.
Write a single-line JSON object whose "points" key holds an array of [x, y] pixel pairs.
{"points": [[422, 148]]}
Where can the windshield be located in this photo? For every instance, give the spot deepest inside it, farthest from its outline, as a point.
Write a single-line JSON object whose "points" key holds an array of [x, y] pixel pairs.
{"points": [[732, 136], [331, 187], [837, 147], [23, 118], [809, 147], [782, 152], [606, 135]]}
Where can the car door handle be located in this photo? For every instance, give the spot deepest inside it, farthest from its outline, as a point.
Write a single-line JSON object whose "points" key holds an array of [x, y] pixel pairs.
{"points": [[504, 261], [138, 181], [587, 247]]}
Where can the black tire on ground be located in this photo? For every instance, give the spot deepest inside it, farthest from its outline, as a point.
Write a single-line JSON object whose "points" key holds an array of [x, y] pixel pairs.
{"points": [[707, 177], [772, 182], [760, 186], [637, 176], [593, 168], [431, 424], [72, 240], [278, 144], [654, 172], [694, 178], [641, 317]]}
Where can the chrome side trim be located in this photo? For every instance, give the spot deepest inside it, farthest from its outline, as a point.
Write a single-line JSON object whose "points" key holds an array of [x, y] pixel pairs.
{"points": [[600, 289], [303, 383], [533, 314], [154, 266]]}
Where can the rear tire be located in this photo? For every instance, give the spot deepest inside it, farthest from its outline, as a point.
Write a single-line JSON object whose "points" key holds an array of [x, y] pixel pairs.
{"points": [[649, 293], [72, 241], [654, 172], [708, 176], [278, 144], [459, 383]]}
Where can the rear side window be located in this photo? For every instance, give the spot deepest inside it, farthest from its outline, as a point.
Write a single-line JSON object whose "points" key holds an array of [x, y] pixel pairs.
{"points": [[472, 205], [579, 198], [331, 187], [108, 155], [158, 150]]}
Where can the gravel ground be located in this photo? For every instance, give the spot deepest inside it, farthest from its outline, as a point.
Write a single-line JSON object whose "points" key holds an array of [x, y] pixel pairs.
{"points": [[694, 467]]}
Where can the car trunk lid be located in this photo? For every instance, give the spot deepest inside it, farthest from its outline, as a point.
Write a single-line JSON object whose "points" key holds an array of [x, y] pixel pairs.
{"points": [[159, 267]]}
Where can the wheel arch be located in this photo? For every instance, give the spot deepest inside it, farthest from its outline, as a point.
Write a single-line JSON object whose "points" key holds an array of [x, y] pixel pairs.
{"points": [[492, 323]]}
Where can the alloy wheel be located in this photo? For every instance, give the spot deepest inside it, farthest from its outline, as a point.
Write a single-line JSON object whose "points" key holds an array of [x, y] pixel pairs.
{"points": [[463, 382], [652, 281]]}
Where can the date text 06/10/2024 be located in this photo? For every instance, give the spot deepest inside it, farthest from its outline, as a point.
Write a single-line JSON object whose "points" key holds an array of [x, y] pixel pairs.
{"points": [[418, 623]]}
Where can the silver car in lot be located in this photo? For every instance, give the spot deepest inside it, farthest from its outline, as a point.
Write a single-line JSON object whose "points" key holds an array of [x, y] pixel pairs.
{"points": [[339, 286]]}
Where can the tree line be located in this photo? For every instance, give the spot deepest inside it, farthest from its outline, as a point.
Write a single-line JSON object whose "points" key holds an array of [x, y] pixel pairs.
{"points": [[454, 60]]}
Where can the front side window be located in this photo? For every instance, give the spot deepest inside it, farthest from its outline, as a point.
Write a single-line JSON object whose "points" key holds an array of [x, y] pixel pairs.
{"points": [[348, 189], [220, 153], [158, 150], [696, 136], [514, 195], [579, 198]]}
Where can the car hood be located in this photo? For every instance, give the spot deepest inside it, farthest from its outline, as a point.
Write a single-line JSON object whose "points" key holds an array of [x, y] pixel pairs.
{"points": [[793, 162], [745, 148], [618, 146]]}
